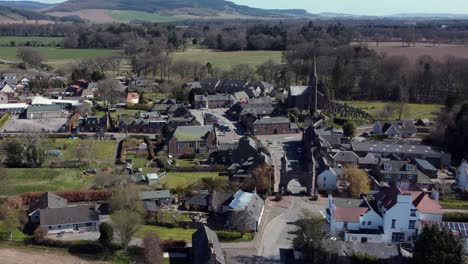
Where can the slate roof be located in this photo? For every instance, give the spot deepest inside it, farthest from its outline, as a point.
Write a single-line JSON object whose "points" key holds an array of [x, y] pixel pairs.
{"points": [[272, 120], [68, 215], [192, 133], [220, 97], [150, 206], [200, 199], [154, 195], [401, 126], [345, 156], [44, 108], [241, 96], [424, 164], [201, 239], [388, 147], [220, 198], [48, 200], [388, 198]]}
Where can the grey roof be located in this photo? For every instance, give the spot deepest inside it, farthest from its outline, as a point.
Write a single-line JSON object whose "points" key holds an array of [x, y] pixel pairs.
{"points": [[424, 164], [423, 179], [48, 200], [272, 120], [44, 108], [199, 200], [401, 126], [68, 215], [192, 133], [150, 206], [241, 95], [199, 98], [397, 148], [201, 240], [220, 97], [153, 195], [220, 198], [345, 156]]}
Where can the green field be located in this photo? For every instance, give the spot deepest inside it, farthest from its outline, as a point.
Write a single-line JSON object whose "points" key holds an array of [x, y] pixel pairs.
{"points": [[453, 203], [20, 40], [225, 60], [413, 111], [130, 15], [44, 179], [58, 56], [104, 149], [182, 179], [166, 233], [16, 235]]}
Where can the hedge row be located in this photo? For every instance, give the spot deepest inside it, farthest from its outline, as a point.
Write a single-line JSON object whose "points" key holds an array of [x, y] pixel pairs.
{"points": [[71, 196], [455, 217]]}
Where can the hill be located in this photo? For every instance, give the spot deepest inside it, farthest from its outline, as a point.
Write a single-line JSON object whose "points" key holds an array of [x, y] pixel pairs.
{"points": [[188, 8], [13, 14], [25, 5]]}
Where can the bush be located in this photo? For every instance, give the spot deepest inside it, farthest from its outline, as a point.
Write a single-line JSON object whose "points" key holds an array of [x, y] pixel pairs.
{"points": [[39, 233], [107, 234], [85, 247], [278, 197], [455, 217], [48, 242]]}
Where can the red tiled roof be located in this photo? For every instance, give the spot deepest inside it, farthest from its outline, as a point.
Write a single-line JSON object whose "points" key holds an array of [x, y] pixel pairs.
{"points": [[421, 201], [349, 214], [132, 96]]}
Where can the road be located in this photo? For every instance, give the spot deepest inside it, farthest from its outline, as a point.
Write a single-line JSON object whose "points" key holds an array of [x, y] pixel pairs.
{"points": [[277, 236]]}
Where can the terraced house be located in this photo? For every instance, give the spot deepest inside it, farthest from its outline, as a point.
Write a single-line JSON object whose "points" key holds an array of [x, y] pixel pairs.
{"points": [[193, 140]]}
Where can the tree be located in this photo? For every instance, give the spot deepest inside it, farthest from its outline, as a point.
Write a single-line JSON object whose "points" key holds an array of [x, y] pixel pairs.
{"points": [[309, 234], [388, 111], [240, 221], [106, 234], [142, 99], [358, 180], [27, 152], [111, 91], [152, 253], [349, 129], [30, 56], [435, 246], [126, 223], [262, 178], [127, 198], [39, 233]]}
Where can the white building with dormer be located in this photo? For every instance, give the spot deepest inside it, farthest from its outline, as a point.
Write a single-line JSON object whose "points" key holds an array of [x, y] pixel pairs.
{"points": [[392, 216], [461, 178]]}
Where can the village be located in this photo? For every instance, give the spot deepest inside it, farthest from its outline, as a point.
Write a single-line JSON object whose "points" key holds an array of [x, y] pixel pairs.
{"points": [[223, 172]]}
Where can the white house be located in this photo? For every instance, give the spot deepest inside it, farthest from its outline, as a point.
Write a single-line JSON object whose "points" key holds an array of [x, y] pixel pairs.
{"points": [[462, 175], [8, 89], [393, 216], [401, 129], [326, 176]]}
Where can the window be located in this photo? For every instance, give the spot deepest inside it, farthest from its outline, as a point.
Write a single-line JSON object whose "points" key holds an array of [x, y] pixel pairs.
{"points": [[191, 144], [410, 177], [59, 226], [180, 145], [412, 224], [387, 167], [409, 167], [363, 222], [202, 144], [393, 223], [388, 176], [369, 222], [413, 212], [354, 238], [50, 227], [89, 224]]}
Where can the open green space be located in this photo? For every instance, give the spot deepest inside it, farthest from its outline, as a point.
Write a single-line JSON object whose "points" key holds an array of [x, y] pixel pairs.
{"points": [[131, 15], [182, 179], [103, 149], [225, 60], [58, 56], [16, 235], [453, 203], [412, 111], [21, 40], [19, 180], [166, 233]]}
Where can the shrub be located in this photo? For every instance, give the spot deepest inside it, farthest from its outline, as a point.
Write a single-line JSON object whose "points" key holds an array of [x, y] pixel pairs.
{"points": [[39, 233], [107, 234], [48, 242], [278, 197], [455, 217], [85, 247]]}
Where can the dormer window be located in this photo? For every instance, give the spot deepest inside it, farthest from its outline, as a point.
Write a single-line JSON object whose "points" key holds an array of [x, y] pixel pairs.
{"points": [[387, 167], [409, 167]]}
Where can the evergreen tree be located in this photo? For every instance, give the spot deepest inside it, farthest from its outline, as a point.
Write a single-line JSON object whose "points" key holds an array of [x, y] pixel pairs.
{"points": [[106, 234], [435, 246]]}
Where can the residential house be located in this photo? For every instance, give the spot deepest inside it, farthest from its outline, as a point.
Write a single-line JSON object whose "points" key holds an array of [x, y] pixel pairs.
{"points": [[241, 97], [199, 202], [175, 122], [46, 111], [16, 109], [69, 219], [248, 206], [253, 91], [211, 85], [145, 126], [431, 154], [133, 98], [219, 202], [245, 158], [231, 86], [9, 78], [394, 129], [326, 176], [192, 140], [46, 200], [396, 171], [200, 101], [220, 101], [3, 98], [393, 216], [461, 178], [153, 200], [274, 125], [8, 89], [206, 248], [94, 124], [345, 158], [265, 88]]}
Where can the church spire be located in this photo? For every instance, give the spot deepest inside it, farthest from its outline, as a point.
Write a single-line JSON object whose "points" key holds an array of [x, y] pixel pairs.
{"points": [[313, 86]]}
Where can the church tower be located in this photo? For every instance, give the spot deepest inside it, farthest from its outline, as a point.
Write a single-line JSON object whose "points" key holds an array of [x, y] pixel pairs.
{"points": [[313, 88]]}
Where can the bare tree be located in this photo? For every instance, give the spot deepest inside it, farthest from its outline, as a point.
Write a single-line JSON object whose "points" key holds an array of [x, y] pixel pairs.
{"points": [[152, 253], [30, 56], [127, 198], [240, 221], [111, 91], [126, 223]]}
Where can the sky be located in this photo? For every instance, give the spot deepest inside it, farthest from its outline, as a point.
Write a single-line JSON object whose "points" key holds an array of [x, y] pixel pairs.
{"points": [[358, 7]]}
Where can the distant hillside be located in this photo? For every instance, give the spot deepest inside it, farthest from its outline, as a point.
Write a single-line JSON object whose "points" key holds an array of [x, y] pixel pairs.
{"points": [[179, 7], [25, 5], [9, 13]]}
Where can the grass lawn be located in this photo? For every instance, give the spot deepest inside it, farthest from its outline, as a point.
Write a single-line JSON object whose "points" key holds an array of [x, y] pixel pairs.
{"points": [[452, 203], [414, 111], [181, 179], [58, 56], [186, 162], [225, 60], [17, 235], [104, 149], [20, 40], [44, 179], [130, 15], [166, 233]]}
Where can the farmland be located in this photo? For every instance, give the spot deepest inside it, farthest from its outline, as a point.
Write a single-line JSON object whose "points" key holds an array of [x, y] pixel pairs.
{"points": [[412, 111], [58, 56], [21, 40], [182, 179], [437, 52], [225, 60]]}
